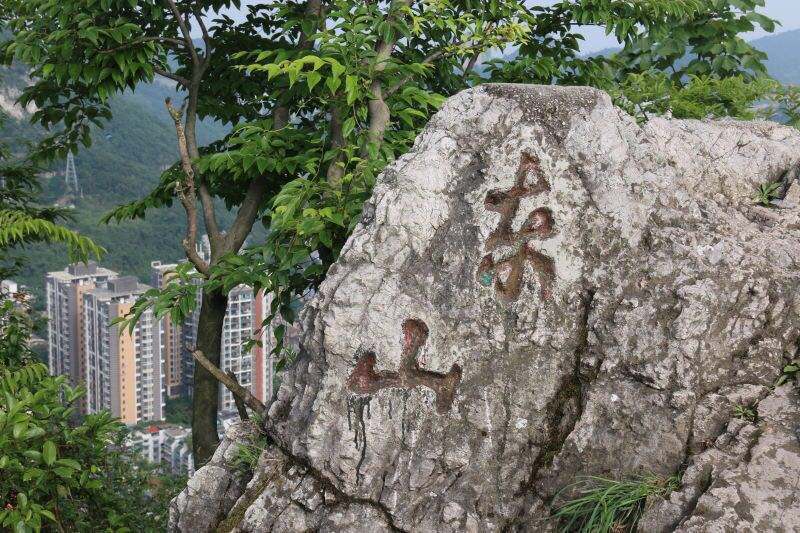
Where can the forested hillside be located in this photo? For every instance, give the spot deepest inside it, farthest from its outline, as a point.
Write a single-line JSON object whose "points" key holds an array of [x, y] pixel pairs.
{"points": [[123, 163]]}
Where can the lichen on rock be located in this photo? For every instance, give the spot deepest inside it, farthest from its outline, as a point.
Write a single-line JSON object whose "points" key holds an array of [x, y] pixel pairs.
{"points": [[607, 293]]}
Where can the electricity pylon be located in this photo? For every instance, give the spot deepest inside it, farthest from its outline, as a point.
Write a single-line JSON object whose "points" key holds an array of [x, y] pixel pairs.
{"points": [[71, 176]]}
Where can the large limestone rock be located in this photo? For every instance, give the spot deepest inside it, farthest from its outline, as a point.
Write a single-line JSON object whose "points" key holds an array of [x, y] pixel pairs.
{"points": [[542, 289]]}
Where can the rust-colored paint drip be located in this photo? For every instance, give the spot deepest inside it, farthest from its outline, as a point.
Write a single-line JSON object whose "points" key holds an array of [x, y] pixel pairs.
{"points": [[507, 274], [366, 380]]}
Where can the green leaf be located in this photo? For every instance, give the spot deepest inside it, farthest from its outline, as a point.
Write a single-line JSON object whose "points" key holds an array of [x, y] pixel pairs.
{"points": [[336, 68], [348, 126], [49, 452], [18, 430], [33, 455], [64, 472], [333, 84], [312, 79], [70, 463], [34, 432], [351, 88]]}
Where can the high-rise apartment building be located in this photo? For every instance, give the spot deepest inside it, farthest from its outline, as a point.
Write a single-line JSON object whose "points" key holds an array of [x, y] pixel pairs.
{"points": [[65, 338], [252, 366], [189, 342], [168, 445], [124, 372], [167, 334], [237, 331]]}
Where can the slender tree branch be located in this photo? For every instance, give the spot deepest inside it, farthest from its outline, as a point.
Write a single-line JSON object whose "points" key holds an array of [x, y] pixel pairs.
{"points": [[164, 40], [186, 192], [209, 213], [336, 168], [379, 115], [237, 390], [429, 59], [206, 40], [187, 36], [193, 87], [471, 64], [180, 79]]}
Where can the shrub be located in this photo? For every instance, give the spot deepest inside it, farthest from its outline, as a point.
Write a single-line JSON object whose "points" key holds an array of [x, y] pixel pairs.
{"points": [[59, 472]]}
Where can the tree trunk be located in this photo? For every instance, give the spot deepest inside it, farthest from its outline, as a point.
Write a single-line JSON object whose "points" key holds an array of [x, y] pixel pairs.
{"points": [[206, 388]]}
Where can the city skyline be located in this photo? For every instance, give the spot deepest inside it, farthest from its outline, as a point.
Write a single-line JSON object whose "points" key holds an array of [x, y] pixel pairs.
{"points": [[131, 373]]}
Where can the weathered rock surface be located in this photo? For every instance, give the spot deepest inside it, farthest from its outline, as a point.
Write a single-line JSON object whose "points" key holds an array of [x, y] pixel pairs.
{"points": [[747, 480], [541, 289], [213, 490]]}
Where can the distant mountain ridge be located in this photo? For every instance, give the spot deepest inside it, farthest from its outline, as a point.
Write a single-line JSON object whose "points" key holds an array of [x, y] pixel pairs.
{"points": [[782, 49]]}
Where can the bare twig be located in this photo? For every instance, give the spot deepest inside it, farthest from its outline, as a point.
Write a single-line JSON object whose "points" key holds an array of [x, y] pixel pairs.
{"points": [[237, 390], [186, 192]]}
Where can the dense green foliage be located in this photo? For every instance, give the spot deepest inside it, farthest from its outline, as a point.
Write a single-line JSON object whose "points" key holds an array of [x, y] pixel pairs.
{"points": [[178, 411], [66, 475], [58, 472], [23, 220], [655, 93]]}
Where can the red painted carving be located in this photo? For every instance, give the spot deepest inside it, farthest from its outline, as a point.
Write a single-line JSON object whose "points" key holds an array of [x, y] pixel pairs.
{"points": [[366, 380], [508, 273]]}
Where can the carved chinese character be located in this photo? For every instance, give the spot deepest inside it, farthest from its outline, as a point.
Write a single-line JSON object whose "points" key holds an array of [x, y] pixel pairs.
{"points": [[507, 274], [366, 380]]}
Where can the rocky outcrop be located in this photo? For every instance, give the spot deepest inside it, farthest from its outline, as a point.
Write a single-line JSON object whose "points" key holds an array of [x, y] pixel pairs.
{"points": [[748, 479], [542, 289], [213, 489]]}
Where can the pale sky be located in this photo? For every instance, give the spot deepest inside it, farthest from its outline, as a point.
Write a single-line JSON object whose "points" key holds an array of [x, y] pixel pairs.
{"points": [[787, 12]]}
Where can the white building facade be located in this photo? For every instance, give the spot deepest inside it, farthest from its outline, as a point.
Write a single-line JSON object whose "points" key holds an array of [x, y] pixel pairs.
{"points": [[170, 446], [64, 295]]}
